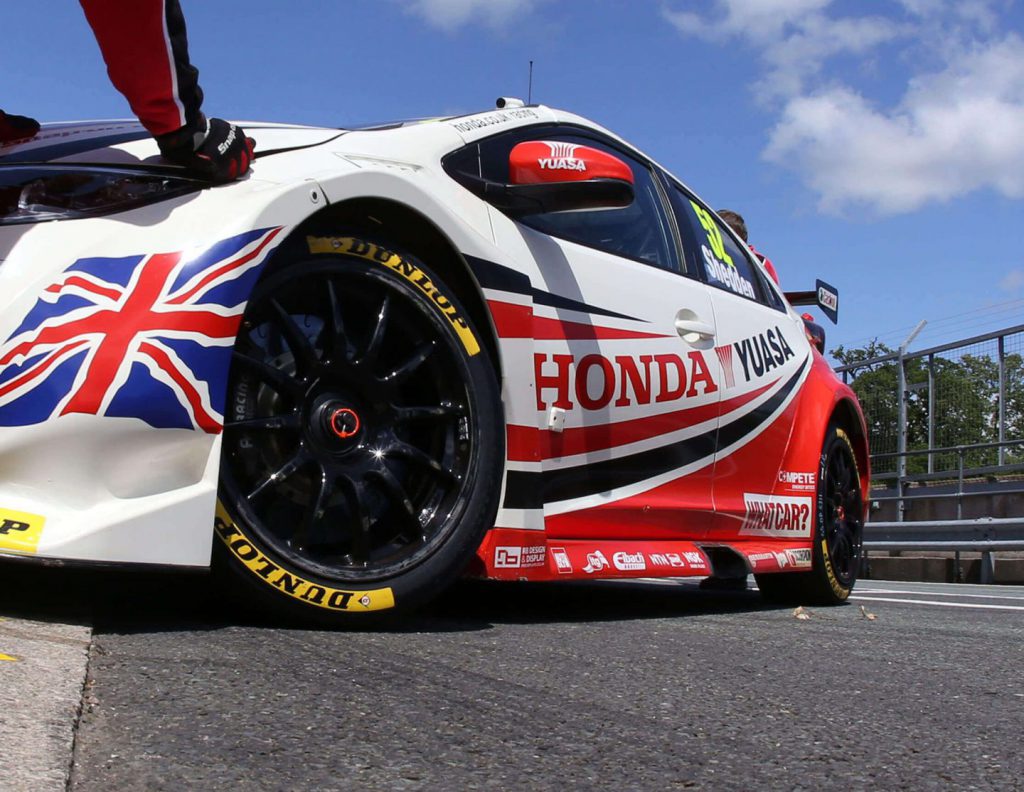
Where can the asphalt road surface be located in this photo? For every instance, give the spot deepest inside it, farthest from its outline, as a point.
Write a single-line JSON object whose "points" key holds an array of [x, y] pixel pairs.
{"points": [[510, 686]]}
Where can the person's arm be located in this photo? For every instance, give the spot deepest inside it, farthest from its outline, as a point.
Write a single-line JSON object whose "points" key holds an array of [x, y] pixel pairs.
{"points": [[145, 46]]}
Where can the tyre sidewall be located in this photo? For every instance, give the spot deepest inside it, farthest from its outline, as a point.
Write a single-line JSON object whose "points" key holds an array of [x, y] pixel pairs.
{"points": [[834, 437]]}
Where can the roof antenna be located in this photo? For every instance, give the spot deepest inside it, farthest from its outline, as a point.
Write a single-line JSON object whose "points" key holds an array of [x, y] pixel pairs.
{"points": [[529, 90]]}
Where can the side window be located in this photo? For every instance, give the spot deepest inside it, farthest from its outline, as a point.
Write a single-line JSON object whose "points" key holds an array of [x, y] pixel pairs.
{"points": [[726, 265], [639, 231]]}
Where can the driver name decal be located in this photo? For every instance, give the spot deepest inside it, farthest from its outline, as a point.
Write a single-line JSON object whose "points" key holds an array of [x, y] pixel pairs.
{"points": [[717, 261], [405, 268]]}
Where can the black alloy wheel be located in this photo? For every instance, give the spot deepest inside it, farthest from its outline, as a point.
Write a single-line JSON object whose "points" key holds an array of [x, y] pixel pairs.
{"points": [[363, 440], [841, 513]]}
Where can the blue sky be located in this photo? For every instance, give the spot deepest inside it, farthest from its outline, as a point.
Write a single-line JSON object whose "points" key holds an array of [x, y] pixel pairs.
{"points": [[877, 145]]}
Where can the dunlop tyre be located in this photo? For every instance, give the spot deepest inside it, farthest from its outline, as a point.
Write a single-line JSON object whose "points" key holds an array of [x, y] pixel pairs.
{"points": [[364, 438], [838, 530]]}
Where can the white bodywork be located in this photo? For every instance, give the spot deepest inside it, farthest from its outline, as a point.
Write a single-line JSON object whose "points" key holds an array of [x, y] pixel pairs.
{"points": [[115, 489]]}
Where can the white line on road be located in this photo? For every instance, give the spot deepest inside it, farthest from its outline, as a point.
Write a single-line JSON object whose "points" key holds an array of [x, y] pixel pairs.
{"points": [[1019, 598], [941, 604]]}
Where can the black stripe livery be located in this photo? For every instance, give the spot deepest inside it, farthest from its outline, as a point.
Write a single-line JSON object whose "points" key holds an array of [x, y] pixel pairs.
{"points": [[531, 490]]}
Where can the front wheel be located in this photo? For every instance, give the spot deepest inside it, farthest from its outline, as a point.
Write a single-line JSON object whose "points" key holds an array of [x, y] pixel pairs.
{"points": [[839, 526], [363, 441]]}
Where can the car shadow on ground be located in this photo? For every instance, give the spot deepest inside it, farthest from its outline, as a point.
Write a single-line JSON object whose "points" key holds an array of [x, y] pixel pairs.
{"points": [[122, 601]]}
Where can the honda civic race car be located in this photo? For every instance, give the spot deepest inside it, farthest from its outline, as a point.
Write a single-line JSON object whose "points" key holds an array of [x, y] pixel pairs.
{"points": [[504, 345]]}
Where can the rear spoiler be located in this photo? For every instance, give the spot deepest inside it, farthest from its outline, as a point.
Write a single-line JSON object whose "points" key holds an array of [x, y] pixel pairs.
{"points": [[824, 296]]}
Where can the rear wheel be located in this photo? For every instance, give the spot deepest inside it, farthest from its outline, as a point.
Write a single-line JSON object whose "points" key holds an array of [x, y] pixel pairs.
{"points": [[363, 441], [839, 526]]}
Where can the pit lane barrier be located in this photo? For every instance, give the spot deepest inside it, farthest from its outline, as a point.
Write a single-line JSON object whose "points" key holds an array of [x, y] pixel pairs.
{"points": [[983, 535]]}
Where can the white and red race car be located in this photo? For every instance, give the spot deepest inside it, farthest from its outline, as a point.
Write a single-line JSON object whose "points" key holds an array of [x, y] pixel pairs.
{"points": [[505, 345]]}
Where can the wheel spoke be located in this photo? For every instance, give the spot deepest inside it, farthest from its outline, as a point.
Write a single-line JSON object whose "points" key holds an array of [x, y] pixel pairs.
{"points": [[359, 549], [289, 468], [337, 343], [289, 421], [843, 473], [399, 498], [296, 339], [306, 529], [414, 455], [276, 378], [410, 365], [442, 412], [377, 337]]}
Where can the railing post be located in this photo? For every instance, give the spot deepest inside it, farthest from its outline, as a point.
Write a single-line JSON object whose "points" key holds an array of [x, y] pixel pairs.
{"points": [[931, 413], [1002, 399], [957, 574], [901, 437]]}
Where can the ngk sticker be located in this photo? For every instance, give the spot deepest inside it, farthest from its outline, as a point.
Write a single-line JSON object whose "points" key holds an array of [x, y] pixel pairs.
{"points": [[596, 562], [629, 561], [695, 559], [776, 515]]}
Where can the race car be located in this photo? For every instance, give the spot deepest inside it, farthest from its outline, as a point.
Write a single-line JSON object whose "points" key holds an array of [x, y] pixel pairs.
{"points": [[505, 345]]}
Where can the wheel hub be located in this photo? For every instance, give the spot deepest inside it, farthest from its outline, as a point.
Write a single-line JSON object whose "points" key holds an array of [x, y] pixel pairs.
{"points": [[344, 422], [336, 425]]}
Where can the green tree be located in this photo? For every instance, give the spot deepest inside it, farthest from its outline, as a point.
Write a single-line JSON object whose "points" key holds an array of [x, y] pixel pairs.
{"points": [[965, 403]]}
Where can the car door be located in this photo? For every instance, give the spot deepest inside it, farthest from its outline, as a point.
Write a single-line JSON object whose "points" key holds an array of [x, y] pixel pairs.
{"points": [[765, 359], [626, 381]]}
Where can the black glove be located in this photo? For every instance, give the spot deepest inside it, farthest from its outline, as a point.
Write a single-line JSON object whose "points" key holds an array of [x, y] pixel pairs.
{"points": [[15, 127], [219, 151]]}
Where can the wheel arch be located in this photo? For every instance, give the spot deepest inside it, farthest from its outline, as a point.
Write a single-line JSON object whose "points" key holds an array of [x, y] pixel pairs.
{"points": [[847, 416], [824, 401]]}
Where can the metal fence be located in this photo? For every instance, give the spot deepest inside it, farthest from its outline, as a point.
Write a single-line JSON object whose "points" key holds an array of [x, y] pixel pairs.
{"points": [[925, 408], [949, 414]]}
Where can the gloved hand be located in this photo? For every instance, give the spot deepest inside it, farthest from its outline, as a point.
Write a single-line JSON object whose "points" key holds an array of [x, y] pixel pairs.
{"points": [[15, 127], [219, 151]]}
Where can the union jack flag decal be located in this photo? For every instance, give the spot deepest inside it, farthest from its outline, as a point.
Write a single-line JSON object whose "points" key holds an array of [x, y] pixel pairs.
{"points": [[145, 337]]}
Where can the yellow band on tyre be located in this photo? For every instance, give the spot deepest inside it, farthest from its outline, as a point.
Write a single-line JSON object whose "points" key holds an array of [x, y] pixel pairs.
{"points": [[292, 584], [408, 270]]}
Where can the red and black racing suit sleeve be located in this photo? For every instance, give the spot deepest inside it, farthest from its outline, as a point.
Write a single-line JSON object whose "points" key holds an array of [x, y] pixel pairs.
{"points": [[145, 47]]}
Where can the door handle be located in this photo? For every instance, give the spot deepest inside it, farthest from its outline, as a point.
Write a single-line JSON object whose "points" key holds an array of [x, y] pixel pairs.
{"points": [[694, 329]]}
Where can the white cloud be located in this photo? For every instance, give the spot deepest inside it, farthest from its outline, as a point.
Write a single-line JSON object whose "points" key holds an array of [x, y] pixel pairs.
{"points": [[452, 14], [956, 131], [958, 127], [794, 37]]}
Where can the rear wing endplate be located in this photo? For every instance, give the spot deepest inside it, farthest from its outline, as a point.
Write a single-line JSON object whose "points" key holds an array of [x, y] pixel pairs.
{"points": [[824, 296]]}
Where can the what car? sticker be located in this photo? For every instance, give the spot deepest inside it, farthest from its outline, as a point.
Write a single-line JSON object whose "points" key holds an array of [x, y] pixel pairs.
{"points": [[776, 515]]}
